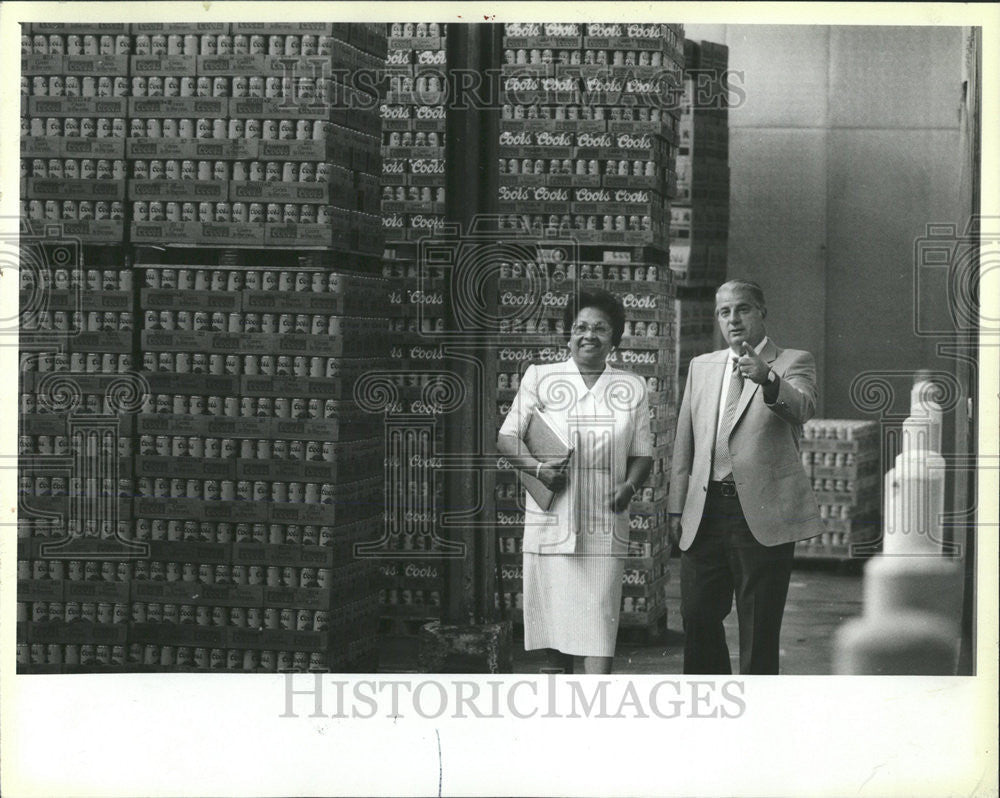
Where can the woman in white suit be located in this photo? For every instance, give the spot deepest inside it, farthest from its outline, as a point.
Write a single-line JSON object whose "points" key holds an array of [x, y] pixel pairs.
{"points": [[574, 553]]}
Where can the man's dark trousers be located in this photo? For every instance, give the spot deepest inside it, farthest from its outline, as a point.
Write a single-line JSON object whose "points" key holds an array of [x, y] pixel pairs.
{"points": [[724, 559]]}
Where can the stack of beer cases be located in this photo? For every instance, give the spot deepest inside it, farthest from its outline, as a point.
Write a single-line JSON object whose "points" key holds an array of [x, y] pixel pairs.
{"points": [[76, 344], [413, 206], [257, 472], [588, 137], [75, 445], [248, 134], [700, 214], [843, 459], [175, 565], [413, 123], [74, 87]]}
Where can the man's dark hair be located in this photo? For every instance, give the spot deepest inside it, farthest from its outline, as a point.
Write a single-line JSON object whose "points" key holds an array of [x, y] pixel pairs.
{"points": [[600, 299], [748, 286]]}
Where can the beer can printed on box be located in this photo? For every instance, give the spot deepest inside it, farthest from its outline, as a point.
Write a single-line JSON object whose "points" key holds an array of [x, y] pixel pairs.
{"points": [[268, 661], [273, 576], [157, 571], [73, 611], [223, 532], [39, 611], [37, 654], [105, 613], [272, 618], [255, 575], [244, 492]]}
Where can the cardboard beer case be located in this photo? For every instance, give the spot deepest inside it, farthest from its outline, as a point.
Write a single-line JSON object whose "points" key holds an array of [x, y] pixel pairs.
{"points": [[59, 189], [182, 28], [201, 149], [299, 150], [162, 65], [184, 467], [179, 190], [174, 299], [179, 107]]}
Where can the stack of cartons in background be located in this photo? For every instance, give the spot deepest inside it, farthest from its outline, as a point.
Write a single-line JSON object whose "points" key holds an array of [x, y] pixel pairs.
{"points": [[77, 347], [843, 460], [589, 132], [249, 171], [260, 141], [75, 448], [699, 216], [413, 207], [74, 89]]}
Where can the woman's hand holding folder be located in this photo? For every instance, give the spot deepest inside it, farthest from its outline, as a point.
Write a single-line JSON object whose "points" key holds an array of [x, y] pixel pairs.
{"points": [[552, 474]]}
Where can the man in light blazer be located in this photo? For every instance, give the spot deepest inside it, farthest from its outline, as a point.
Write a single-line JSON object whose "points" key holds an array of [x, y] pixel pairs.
{"points": [[739, 496]]}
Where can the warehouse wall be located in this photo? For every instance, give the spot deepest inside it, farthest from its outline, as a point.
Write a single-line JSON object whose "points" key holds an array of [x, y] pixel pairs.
{"points": [[846, 146]]}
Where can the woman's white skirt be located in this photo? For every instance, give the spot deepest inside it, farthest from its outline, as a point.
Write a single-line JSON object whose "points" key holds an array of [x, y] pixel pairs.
{"points": [[572, 603]]}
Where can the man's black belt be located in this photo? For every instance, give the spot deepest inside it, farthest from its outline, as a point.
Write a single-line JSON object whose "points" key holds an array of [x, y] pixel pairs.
{"points": [[725, 488]]}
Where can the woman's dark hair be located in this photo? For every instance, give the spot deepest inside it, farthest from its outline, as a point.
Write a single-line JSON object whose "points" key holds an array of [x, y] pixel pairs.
{"points": [[600, 299]]}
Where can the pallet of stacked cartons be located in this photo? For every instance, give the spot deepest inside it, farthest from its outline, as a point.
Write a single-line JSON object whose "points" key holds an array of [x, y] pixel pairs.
{"points": [[77, 345], [284, 468], [843, 459], [257, 473], [413, 206], [247, 478], [240, 136], [74, 89], [700, 214], [77, 389]]}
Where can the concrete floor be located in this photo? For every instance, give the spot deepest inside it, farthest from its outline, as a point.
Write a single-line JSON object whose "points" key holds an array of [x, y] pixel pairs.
{"points": [[821, 596]]}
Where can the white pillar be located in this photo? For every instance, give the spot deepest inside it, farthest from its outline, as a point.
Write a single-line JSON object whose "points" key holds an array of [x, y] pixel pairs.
{"points": [[914, 487], [912, 596]]}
